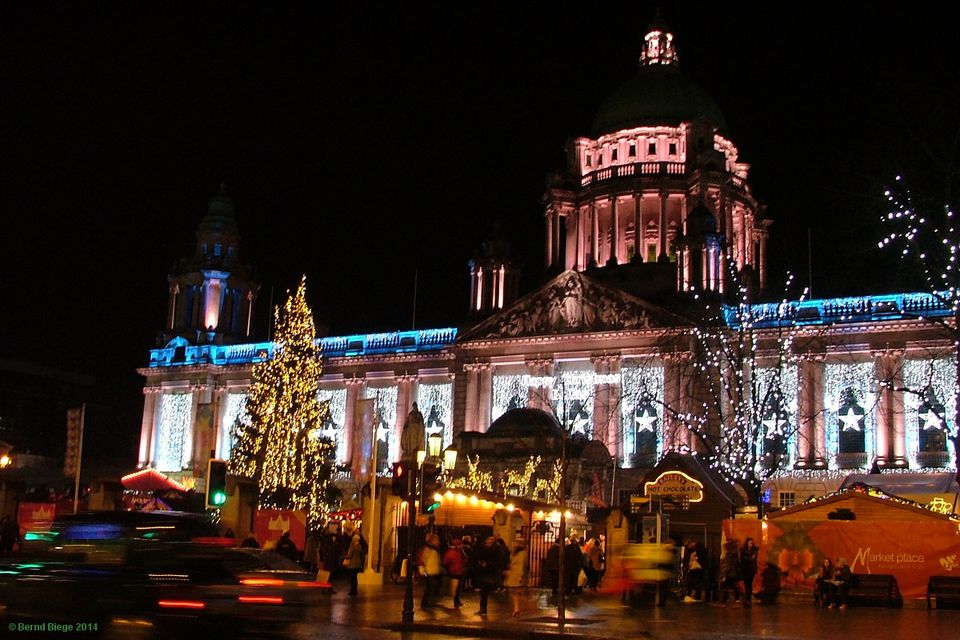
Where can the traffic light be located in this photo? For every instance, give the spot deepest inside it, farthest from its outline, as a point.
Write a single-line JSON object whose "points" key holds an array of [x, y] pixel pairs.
{"points": [[403, 478], [429, 486], [216, 483]]}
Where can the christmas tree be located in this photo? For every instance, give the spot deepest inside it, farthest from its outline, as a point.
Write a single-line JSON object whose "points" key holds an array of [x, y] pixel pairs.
{"points": [[279, 443]]}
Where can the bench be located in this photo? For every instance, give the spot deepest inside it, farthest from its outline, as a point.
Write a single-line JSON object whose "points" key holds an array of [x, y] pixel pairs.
{"points": [[875, 589], [944, 591]]}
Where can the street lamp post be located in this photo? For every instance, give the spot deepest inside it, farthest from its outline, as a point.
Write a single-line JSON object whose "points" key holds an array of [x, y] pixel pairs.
{"points": [[434, 443]]}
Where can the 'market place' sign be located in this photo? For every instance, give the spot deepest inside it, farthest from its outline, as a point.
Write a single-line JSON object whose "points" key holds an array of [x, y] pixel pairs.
{"points": [[675, 484]]}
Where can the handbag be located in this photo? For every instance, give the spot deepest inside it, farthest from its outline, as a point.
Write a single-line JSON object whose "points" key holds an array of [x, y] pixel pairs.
{"points": [[582, 578]]}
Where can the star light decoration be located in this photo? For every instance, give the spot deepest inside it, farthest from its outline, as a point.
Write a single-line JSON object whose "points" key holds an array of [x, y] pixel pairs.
{"points": [[282, 445], [852, 421]]}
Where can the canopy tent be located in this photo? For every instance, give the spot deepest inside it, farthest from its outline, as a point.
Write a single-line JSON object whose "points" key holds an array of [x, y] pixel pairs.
{"points": [[150, 480]]}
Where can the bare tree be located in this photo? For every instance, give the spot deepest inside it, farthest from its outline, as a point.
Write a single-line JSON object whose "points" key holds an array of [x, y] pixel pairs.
{"points": [[927, 234]]}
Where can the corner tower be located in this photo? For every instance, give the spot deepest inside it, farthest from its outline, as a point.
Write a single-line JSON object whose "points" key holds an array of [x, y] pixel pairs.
{"points": [[212, 294], [658, 147]]}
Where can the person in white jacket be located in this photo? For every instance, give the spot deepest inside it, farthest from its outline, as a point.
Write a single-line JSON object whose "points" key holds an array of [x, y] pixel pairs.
{"points": [[431, 570]]}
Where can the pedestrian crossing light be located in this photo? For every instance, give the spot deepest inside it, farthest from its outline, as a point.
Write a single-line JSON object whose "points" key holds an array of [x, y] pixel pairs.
{"points": [[216, 483]]}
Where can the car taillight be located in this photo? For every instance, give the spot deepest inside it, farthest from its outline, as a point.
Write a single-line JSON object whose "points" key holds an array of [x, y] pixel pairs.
{"points": [[313, 585], [261, 582], [260, 599], [182, 604]]}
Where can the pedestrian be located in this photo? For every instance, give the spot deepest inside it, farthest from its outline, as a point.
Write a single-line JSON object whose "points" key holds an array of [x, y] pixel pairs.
{"points": [[329, 557], [504, 552], [353, 562], [694, 560], [311, 552], [467, 548], [486, 568], [594, 563], [430, 569], [551, 567], [748, 569], [515, 576], [286, 547], [730, 574], [841, 584], [572, 565], [822, 588], [454, 564]]}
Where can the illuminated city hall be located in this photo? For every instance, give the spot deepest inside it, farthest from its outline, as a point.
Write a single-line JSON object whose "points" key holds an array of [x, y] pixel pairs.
{"points": [[651, 222]]}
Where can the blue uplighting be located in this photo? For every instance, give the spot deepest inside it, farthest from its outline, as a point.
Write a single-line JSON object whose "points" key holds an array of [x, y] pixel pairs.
{"points": [[178, 354], [897, 306]]}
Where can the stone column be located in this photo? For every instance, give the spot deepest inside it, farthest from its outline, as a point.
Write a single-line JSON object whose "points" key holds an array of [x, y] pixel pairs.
{"points": [[891, 437], [355, 386], [595, 240], [763, 260], [221, 432], [882, 373], [195, 450], [548, 249], [614, 231], [539, 397], [606, 417], [471, 400], [579, 263], [811, 443], [637, 227], [406, 396], [671, 401], [662, 252], [147, 426], [557, 234], [485, 404]]}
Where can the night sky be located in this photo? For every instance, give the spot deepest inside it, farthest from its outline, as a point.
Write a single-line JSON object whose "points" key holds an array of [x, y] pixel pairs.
{"points": [[364, 142]]}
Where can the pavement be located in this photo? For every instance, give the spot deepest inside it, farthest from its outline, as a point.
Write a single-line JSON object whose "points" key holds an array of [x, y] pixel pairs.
{"points": [[593, 616]]}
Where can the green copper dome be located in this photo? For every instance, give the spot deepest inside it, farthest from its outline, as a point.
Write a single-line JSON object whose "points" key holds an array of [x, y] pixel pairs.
{"points": [[657, 95]]}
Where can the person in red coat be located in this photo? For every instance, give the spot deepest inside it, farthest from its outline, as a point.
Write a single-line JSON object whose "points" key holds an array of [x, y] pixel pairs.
{"points": [[454, 564]]}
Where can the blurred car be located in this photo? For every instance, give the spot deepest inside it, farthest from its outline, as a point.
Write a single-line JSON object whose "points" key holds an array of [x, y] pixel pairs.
{"points": [[123, 571]]}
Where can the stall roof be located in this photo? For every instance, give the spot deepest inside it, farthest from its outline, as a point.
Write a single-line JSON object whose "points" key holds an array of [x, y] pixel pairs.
{"points": [[866, 503], [150, 480], [904, 484]]}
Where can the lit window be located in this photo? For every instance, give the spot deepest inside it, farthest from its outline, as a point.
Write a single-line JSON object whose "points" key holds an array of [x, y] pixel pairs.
{"points": [[217, 249], [787, 499]]}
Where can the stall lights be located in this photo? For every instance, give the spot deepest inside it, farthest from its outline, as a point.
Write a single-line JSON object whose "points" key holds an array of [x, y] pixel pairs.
{"points": [[510, 507]]}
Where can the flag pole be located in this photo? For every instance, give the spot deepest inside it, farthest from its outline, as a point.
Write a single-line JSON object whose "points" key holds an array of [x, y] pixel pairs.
{"points": [[76, 479]]}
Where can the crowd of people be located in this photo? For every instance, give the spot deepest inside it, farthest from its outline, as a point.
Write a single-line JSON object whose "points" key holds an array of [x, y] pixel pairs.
{"points": [[736, 575], [584, 564], [487, 567]]}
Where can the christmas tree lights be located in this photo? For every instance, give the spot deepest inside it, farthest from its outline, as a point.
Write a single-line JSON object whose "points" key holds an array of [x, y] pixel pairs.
{"points": [[282, 445]]}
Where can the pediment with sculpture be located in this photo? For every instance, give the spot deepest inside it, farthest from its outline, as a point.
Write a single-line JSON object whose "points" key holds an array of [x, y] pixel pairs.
{"points": [[571, 303]]}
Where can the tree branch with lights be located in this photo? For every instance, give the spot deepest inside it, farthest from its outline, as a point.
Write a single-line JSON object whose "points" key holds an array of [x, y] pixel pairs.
{"points": [[927, 236]]}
